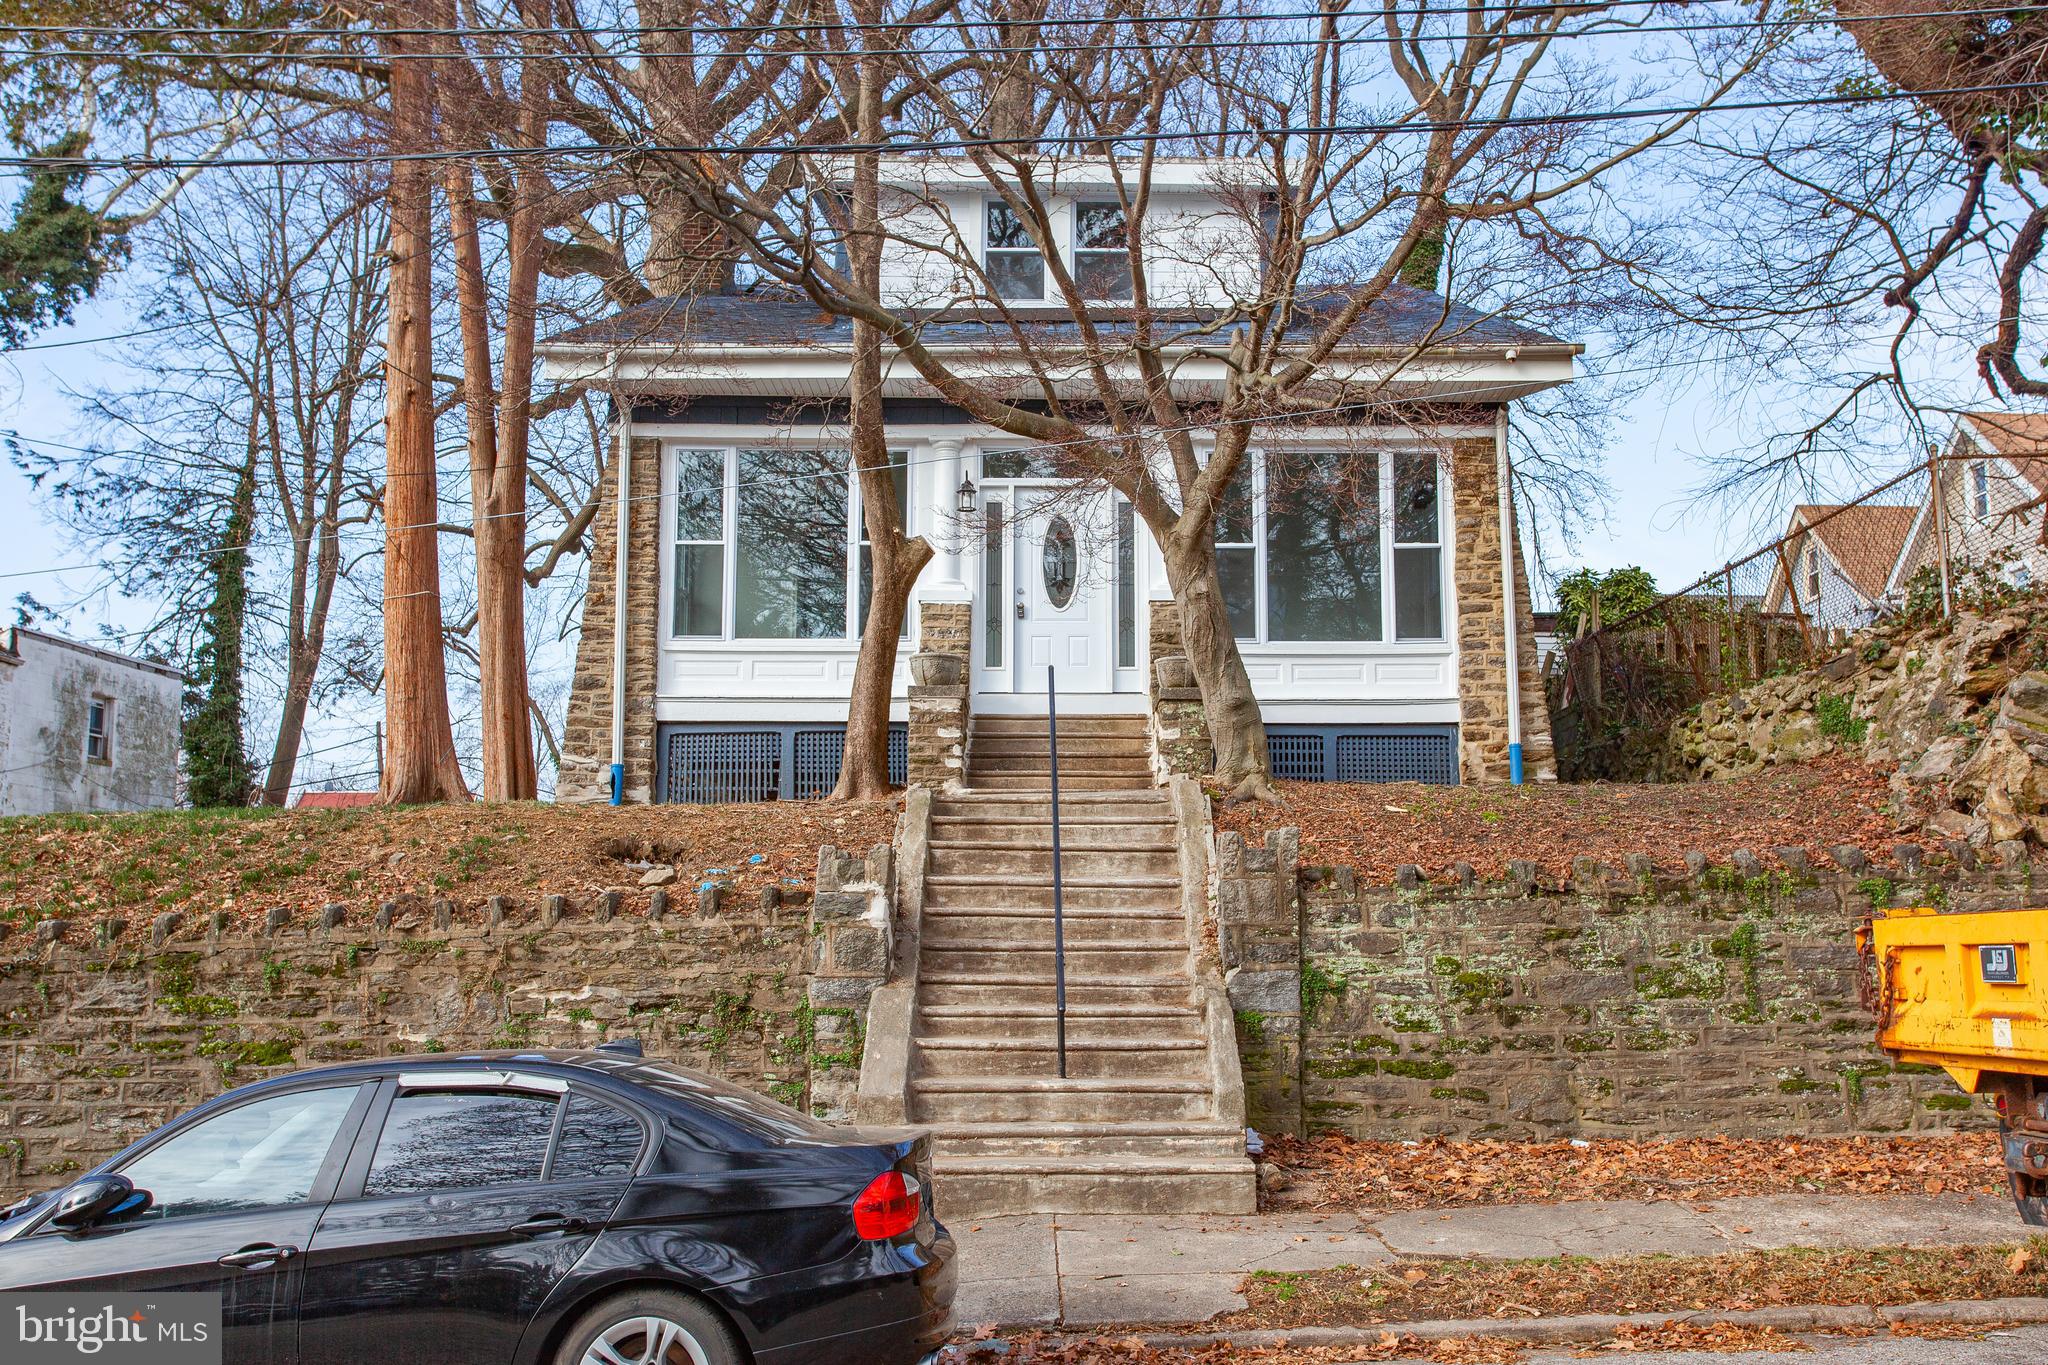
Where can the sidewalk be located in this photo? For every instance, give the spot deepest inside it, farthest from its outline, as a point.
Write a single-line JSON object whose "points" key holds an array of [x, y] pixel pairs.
{"points": [[1086, 1270]]}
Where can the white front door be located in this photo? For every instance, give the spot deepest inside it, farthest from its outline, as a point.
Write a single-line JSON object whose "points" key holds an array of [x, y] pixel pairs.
{"points": [[1062, 578]]}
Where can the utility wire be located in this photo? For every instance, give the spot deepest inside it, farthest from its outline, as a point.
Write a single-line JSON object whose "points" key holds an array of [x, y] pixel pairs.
{"points": [[342, 57], [1056, 139]]}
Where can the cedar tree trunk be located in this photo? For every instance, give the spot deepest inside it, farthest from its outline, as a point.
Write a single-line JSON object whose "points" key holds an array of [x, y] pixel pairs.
{"points": [[420, 763]]}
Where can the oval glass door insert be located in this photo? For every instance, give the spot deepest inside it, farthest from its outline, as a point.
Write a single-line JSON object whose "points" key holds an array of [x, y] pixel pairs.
{"points": [[1061, 560]]}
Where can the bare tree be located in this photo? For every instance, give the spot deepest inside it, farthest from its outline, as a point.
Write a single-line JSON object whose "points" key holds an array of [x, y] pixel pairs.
{"points": [[1377, 140]]}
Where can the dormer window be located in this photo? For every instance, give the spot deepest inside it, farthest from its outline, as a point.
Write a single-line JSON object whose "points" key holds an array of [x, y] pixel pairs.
{"points": [[1015, 266], [1102, 258]]}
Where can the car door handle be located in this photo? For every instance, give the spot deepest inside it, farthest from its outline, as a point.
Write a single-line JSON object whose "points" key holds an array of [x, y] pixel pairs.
{"points": [[543, 1223], [256, 1257]]}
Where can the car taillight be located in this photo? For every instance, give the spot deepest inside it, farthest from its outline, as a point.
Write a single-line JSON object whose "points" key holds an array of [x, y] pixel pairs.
{"points": [[888, 1207]]}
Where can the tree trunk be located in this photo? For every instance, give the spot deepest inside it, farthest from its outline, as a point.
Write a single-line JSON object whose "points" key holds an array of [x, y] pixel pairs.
{"points": [[420, 763], [1236, 727], [497, 482], [896, 562]]}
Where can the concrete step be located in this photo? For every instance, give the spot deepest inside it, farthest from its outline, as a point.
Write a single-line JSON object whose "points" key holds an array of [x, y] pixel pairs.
{"points": [[1188, 1138], [1010, 991], [1073, 839], [1138, 801], [1034, 895], [1085, 961], [1038, 1030], [982, 771], [1071, 745], [1069, 725], [1087, 1057], [1006, 783], [990, 1187], [1107, 865], [1076, 829], [1033, 928], [1027, 1099]]}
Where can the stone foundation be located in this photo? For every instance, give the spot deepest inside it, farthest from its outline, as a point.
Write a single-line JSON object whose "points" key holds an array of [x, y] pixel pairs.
{"points": [[587, 729]]}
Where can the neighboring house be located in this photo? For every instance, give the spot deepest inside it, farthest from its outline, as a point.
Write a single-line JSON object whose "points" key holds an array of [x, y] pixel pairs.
{"points": [[1375, 643], [1992, 483], [85, 729], [1841, 560]]}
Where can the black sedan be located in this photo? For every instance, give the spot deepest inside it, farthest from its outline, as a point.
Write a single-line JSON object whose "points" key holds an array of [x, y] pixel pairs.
{"points": [[544, 1208]]}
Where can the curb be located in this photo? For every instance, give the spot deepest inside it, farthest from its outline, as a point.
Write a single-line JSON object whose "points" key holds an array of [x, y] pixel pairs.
{"points": [[1550, 1330]]}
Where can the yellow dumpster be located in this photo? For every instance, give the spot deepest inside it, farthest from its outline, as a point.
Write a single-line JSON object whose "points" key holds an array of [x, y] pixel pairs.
{"points": [[1968, 992]]}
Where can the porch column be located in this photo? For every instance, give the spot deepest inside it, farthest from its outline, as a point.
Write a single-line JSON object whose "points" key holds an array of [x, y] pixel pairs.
{"points": [[945, 579]]}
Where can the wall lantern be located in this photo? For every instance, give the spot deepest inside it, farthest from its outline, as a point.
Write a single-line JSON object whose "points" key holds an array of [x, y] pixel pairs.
{"points": [[966, 496]]}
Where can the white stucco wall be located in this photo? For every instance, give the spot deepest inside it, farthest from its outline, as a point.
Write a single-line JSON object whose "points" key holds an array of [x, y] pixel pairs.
{"points": [[43, 704]]}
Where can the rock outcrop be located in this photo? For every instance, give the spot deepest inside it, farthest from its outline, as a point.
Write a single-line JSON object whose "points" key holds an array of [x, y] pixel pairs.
{"points": [[1958, 712]]}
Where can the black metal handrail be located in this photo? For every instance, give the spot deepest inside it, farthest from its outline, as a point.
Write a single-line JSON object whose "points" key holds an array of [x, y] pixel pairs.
{"points": [[1059, 926]]}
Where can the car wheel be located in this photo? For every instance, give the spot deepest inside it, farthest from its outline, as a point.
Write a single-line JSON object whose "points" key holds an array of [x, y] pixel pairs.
{"points": [[650, 1327]]}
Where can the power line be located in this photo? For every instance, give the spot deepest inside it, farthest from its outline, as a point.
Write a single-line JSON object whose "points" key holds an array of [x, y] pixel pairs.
{"points": [[344, 57], [1056, 139], [833, 26]]}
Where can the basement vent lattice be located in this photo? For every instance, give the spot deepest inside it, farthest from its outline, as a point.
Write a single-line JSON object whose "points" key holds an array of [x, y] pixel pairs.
{"points": [[704, 766], [1386, 753]]}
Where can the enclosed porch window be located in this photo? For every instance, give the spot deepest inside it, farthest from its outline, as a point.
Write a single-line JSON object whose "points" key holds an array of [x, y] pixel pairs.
{"points": [[1304, 541], [767, 544]]}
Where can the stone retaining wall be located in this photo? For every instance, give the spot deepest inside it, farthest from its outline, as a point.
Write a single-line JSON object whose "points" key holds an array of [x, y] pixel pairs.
{"points": [[1672, 998], [104, 1037]]}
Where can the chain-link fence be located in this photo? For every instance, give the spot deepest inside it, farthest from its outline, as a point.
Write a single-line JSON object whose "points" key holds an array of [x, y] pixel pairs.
{"points": [[1957, 533]]}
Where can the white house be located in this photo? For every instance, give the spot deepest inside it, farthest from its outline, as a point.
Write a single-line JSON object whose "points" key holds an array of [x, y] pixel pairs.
{"points": [[1993, 482], [721, 625], [85, 729]]}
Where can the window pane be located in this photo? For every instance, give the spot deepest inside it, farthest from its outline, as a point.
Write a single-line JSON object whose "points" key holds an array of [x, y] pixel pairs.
{"points": [[1418, 596], [1322, 548], [460, 1141], [1126, 586], [1239, 572], [700, 495], [790, 581], [994, 613], [1016, 274], [1234, 511], [899, 478], [699, 589], [258, 1155], [1103, 275], [598, 1142], [1036, 463], [1005, 228], [1415, 498], [1099, 227]]}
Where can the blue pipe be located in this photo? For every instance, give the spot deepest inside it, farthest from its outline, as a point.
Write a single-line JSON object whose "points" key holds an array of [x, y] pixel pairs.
{"points": [[619, 780], [1515, 763]]}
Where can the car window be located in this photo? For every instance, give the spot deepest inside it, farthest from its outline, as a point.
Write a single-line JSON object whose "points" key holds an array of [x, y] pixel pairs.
{"points": [[598, 1142], [257, 1155], [461, 1140]]}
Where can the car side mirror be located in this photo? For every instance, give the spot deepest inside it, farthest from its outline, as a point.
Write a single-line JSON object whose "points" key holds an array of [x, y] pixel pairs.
{"points": [[94, 1199]]}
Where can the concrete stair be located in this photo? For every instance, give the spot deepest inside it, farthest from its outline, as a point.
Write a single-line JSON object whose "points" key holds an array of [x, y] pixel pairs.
{"points": [[1135, 1126]]}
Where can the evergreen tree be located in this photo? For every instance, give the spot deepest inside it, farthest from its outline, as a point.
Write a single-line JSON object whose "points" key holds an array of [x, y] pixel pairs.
{"points": [[217, 766]]}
